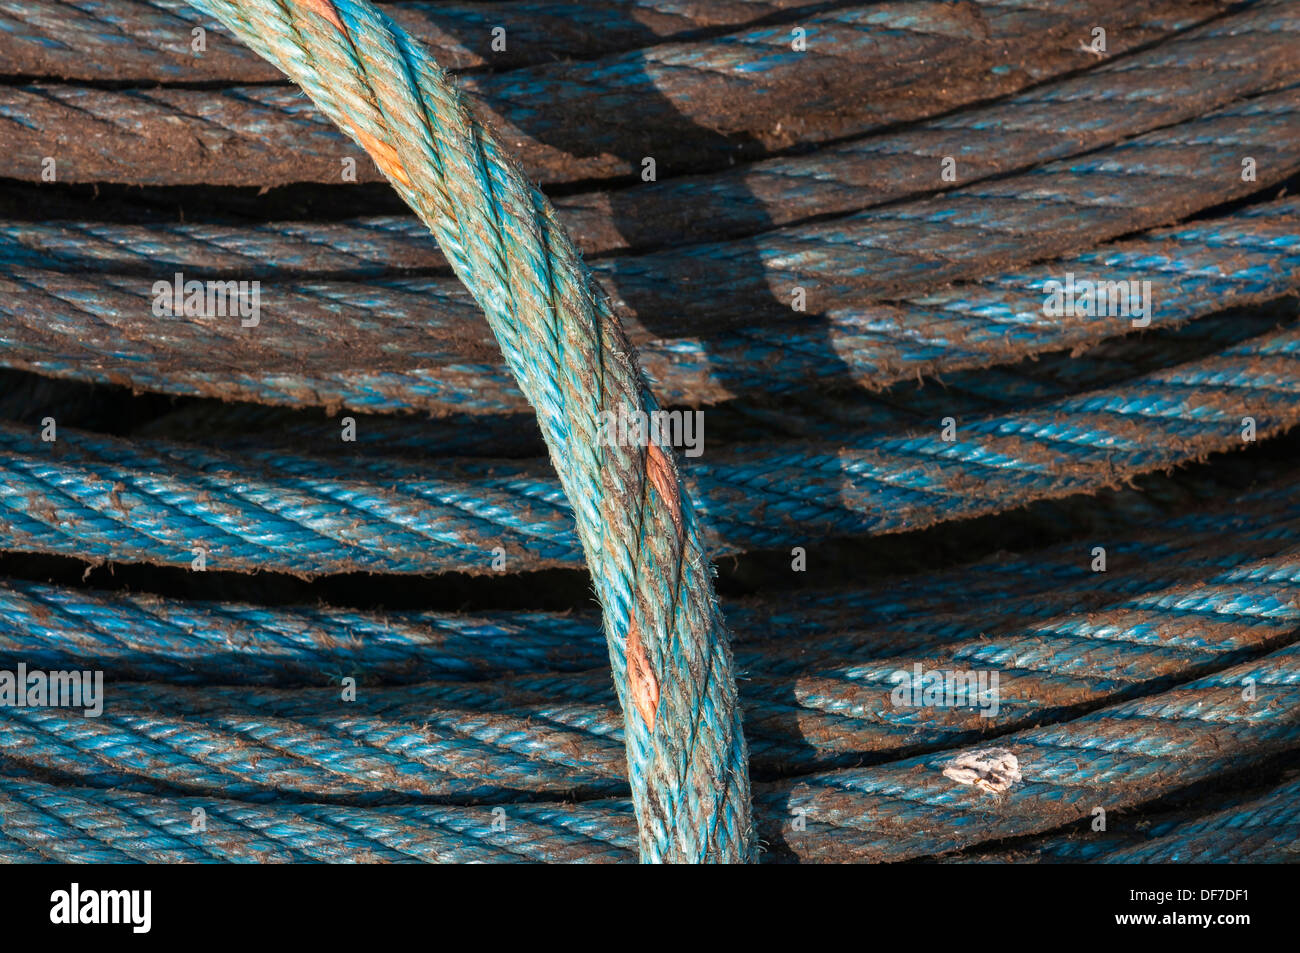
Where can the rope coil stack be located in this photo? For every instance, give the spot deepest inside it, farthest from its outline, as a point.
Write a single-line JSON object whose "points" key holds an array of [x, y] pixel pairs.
{"points": [[1121, 686]]}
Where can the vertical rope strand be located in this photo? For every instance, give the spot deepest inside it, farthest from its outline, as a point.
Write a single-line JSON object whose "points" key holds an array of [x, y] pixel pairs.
{"points": [[672, 666]]}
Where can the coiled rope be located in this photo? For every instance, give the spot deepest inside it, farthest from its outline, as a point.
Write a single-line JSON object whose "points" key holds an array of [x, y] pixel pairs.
{"points": [[1258, 828], [1121, 755], [141, 637], [151, 39], [1248, 256], [1190, 75], [389, 773], [567, 122], [159, 502], [805, 707], [146, 638], [1263, 830], [243, 427]]}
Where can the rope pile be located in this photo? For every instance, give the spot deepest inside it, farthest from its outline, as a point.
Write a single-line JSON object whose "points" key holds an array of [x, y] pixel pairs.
{"points": [[803, 152]]}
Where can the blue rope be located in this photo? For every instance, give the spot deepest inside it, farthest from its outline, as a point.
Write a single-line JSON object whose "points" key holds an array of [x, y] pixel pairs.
{"points": [[805, 708], [809, 702], [144, 638], [1263, 830], [688, 766], [1243, 828], [1119, 756], [513, 710], [103, 498], [896, 811]]}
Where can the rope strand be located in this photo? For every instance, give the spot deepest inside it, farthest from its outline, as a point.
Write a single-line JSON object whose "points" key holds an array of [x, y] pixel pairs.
{"points": [[105, 498], [672, 667]]}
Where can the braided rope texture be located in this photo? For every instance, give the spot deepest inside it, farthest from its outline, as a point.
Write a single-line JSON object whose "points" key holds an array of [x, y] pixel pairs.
{"points": [[686, 754]]}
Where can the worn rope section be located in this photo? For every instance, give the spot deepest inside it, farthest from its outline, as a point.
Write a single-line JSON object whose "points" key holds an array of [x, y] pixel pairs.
{"points": [[1171, 83], [672, 665]]}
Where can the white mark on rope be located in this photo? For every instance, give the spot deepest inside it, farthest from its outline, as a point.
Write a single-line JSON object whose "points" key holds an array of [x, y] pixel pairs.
{"points": [[993, 770]]}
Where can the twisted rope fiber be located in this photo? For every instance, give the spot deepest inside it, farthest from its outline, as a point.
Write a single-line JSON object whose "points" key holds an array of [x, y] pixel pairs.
{"points": [[1121, 756], [553, 735], [145, 638], [686, 756], [965, 394], [961, 235], [1264, 830], [811, 707], [117, 39], [574, 115], [803, 414], [1196, 155], [1254, 828], [1255, 572], [40, 822], [1185, 77], [51, 622], [1193, 268], [1233, 507], [131, 40], [1245, 256], [156, 502]]}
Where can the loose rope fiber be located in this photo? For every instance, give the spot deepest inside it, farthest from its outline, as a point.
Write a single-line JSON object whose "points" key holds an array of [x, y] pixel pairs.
{"points": [[686, 756], [704, 104]]}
